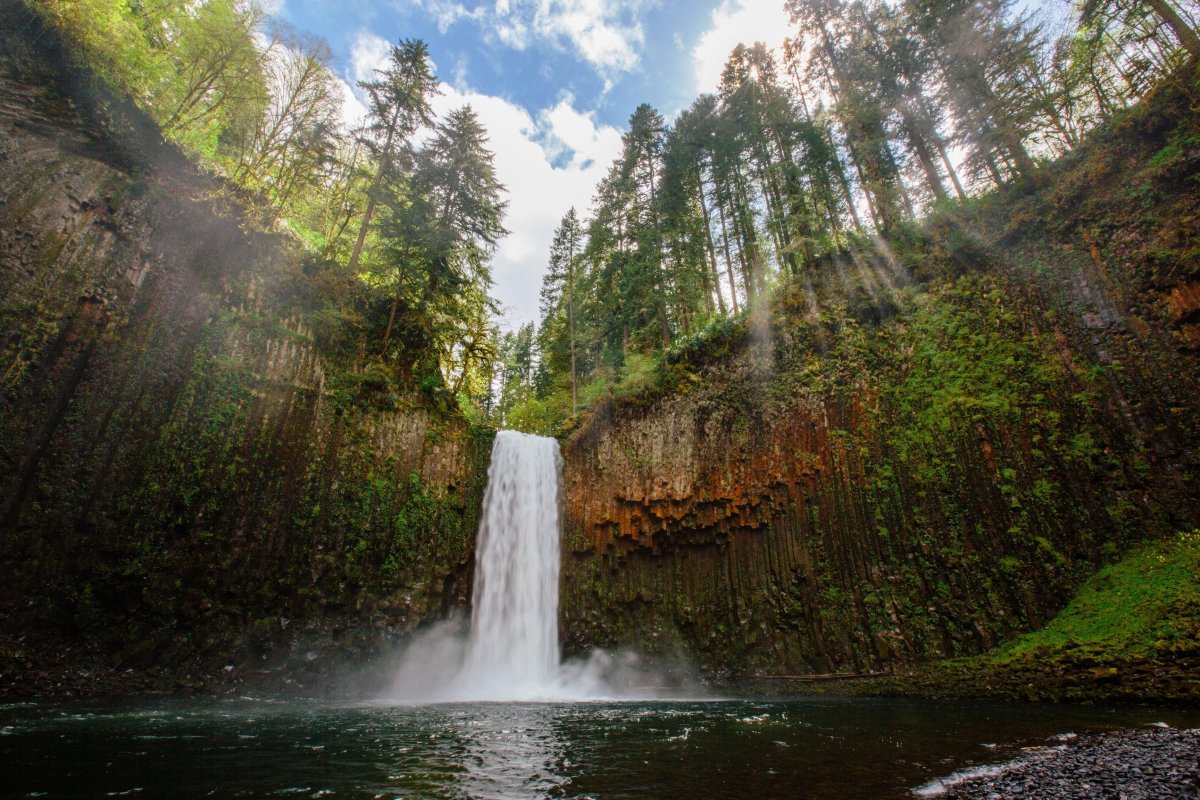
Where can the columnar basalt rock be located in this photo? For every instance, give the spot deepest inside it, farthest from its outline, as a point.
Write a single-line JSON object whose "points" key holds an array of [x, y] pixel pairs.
{"points": [[930, 446], [186, 482]]}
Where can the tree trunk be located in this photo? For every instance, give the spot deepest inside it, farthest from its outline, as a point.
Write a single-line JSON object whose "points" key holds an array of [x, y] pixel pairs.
{"points": [[1187, 37], [659, 279], [571, 327], [385, 160], [921, 150], [894, 171], [744, 219], [844, 182], [712, 252], [1012, 142], [949, 165], [387, 334], [728, 256]]}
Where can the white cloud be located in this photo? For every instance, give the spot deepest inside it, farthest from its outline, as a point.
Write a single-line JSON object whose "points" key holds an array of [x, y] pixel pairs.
{"points": [[539, 193], [605, 33], [447, 12], [368, 53], [354, 110], [512, 32], [575, 134], [736, 22]]}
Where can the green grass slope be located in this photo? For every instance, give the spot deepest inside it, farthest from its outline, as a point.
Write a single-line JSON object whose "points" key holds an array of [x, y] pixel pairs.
{"points": [[1131, 633]]}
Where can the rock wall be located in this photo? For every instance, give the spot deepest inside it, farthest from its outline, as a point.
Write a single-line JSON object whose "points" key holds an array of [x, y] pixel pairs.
{"points": [[185, 482], [923, 447]]}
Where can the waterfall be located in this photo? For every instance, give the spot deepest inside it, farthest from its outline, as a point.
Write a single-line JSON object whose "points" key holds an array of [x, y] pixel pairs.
{"points": [[513, 648]]}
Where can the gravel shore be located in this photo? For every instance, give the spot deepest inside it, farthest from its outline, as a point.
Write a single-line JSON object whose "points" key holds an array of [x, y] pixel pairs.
{"points": [[1154, 763]]}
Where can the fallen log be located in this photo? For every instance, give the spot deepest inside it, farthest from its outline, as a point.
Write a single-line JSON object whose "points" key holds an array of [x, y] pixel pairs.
{"points": [[828, 676]]}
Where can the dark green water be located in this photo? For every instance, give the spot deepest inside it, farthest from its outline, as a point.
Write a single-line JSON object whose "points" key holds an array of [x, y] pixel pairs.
{"points": [[801, 748]]}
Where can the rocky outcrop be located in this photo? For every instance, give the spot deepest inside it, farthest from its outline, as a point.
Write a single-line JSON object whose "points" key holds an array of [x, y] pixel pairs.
{"points": [[921, 449], [1183, 307], [186, 482]]}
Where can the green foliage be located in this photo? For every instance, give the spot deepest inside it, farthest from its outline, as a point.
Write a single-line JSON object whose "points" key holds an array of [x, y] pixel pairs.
{"points": [[711, 343], [639, 376], [971, 363], [1180, 149], [1147, 603], [194, 66], [114, 41], [369, 388], [761, 187], [543, 416], [596, 392], [402, 532]]}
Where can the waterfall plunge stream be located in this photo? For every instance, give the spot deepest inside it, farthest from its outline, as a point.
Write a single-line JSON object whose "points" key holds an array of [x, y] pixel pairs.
{"points": [[513, 644], [511, 651]]}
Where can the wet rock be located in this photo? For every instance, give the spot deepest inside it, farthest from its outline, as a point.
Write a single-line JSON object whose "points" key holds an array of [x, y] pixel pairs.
{"points": [[1148, 764]]}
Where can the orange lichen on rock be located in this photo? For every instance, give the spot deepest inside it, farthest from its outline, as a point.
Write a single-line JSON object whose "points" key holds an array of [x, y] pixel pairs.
{"points": [[646, 476]]}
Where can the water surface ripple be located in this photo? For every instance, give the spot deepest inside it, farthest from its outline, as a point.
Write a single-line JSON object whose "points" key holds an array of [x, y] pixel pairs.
{"points": [[799, 748]]}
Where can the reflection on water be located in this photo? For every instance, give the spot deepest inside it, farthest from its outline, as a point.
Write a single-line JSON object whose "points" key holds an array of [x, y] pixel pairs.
{"points": [[802, 748], [512, 754]]}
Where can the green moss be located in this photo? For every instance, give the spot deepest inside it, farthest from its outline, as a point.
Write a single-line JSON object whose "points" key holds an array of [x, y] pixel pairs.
{"points": [[1131, 633], [1147, 602]]}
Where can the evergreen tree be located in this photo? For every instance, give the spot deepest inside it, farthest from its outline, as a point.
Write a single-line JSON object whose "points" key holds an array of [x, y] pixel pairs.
{"points": [[641, 168], [399, 106], [559, 285], [440, 234], [979, 48]]}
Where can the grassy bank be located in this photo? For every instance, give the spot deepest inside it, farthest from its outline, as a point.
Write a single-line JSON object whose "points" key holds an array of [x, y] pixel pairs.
{"points": [[1132, 634]]}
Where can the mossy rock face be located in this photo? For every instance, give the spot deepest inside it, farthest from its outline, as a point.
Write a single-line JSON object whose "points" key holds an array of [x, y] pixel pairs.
{"points": [[924, 447], [192, 479], [1131, 633]]}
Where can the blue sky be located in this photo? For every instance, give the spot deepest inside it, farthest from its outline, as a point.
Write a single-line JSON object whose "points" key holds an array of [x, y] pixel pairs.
{"points": [[609, 55], [554, 81]]}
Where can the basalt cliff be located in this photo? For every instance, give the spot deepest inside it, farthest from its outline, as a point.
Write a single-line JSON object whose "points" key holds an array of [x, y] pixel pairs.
{"points": [[921, 449], [191, 493]]}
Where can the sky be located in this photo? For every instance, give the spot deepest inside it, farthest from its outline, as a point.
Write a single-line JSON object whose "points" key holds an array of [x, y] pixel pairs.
{"points": [[554, 82]]}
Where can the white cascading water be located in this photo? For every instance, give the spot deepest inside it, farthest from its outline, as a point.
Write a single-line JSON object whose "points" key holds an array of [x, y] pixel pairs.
{"points": [[511, 652], [513, 645]]}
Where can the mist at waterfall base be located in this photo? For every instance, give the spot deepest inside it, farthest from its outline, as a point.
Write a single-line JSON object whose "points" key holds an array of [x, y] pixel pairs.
{"points": [[509, 650]]}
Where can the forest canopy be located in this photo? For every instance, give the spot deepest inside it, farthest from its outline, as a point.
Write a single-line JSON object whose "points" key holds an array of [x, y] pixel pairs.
{"points": [[870, 116]]}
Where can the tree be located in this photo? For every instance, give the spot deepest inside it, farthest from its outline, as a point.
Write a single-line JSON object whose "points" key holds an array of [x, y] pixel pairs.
{"points": [[399, 106], [218, 71], [823, 162], [1185, 34], [686, 227], [979, 48], [515, 371], [296, 138], [641, 166], [440, 237], [837, 45], [558, 285], [893, 61]]}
